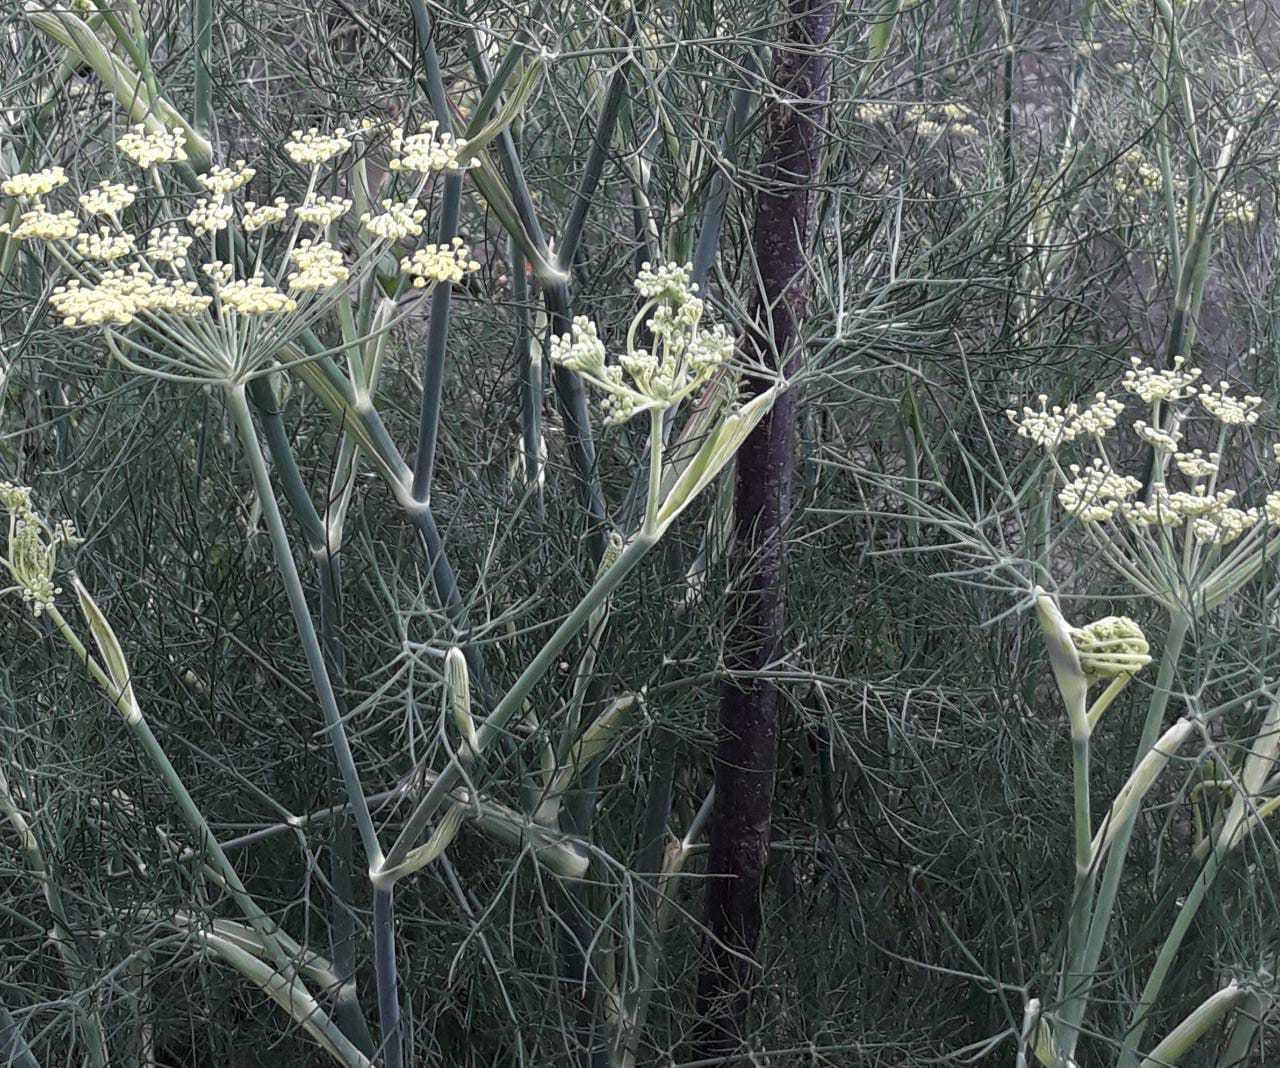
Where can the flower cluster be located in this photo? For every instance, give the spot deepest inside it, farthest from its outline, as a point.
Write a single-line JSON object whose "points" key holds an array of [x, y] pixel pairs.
{"points": [[35, 184], [33, 547], [157, 283], [1229, 410], [104, 246], [258, 216], [1111, 646], [1138, 176], [210, 216], [108, 198], [120, 296], [1168, 540], [396, 222], [169, 246], [1050, 427], [314, 149], [147, 148], [254, 296], [928, 122], [220, 181], [1236, 208], [1153, 386], [427, 151], [43, 225], [439, 263], [322, 211], [682, 354], [319, 266]]}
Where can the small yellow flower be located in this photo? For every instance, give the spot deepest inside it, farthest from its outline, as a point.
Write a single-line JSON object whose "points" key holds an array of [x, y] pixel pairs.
{"points": [[256, 216], [319, 266], [322, 211], [223, 180], [169, 246], [43, 225], [397, 222], [208, 217], [427, 151], [104, 246], [255, 297]]}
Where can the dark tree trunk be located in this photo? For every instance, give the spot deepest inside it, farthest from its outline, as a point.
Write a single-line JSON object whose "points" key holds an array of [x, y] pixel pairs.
{"points": [[756, 616]]}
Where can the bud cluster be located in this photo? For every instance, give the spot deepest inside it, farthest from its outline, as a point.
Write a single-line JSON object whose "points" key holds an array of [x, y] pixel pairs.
{"points": [[682, 354]]}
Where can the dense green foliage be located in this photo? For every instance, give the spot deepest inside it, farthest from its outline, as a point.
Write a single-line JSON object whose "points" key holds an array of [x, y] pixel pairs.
{"points": [[1015, 199]]}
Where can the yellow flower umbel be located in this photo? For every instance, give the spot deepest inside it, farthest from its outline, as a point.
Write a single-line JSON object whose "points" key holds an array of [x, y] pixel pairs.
{"points": [[439, 263], [427, 151], [147, 149], [1184, 541], [34, 184], [172, 303]]}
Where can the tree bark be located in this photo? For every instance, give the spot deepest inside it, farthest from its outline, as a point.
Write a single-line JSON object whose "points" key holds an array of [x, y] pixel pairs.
{"points": [[746, 753]]}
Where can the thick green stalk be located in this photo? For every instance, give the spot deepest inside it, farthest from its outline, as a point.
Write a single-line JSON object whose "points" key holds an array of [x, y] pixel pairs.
{"points": [[654, 498], [362, 421], [571, 395], [530, 364], [288, 991], [437, 343], [1249, 1015], [235, 394], [1072, 979], [1073, 1014], [291, 481], [202, 55], [601, 137], [384, 961], [347, 1009], [1164, 960], [1178, 1042]]}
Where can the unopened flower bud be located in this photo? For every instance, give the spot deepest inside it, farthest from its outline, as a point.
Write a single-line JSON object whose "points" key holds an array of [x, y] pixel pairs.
{"points": [[457, 692], [1111, 646]]}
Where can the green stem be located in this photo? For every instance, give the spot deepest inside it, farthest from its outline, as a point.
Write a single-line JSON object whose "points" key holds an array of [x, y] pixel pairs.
{"points": [[1164, 960], [437, 342], [205, 840], [202, 32], [654, 499], [513, 701], [235, 393], [1073, 982], [1073, 1014]]}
